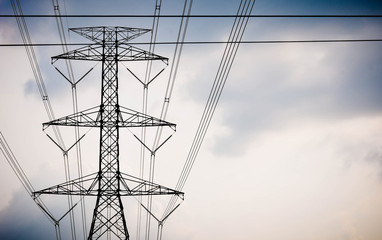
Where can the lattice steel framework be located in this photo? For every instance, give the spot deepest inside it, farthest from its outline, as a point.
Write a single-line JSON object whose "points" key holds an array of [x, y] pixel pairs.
{"points": [[109, 184]]}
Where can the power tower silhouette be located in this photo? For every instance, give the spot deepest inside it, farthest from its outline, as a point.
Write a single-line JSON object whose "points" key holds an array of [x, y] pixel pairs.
{"points": [[109, 184]]}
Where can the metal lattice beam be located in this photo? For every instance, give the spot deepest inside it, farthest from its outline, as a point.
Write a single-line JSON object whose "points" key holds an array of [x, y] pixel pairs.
{"points": [[130, 186], [126, 118], [94, 53], [124, 34]]}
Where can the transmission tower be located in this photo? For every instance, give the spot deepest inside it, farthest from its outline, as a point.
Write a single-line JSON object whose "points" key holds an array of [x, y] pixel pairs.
{"points": [[109, 184]]}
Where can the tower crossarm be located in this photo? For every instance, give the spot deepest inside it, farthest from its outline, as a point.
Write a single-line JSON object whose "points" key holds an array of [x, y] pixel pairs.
{"points": [[87, 118], [85, 186], [126, 118], [134, 186], [96, 33], [130, 186], [131, 53], [91, 52], [132, 118]]}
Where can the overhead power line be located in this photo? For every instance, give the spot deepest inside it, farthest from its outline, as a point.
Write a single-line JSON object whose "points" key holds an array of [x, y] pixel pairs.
{"points": [[21, 23], [23, 28], [167, 98], [225, 65], [198, 16], [201, 42], [153, 39], [61, 31]]}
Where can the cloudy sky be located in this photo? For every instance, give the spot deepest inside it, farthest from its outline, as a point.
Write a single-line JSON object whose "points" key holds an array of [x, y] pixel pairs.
{"points": [[294, 150]]}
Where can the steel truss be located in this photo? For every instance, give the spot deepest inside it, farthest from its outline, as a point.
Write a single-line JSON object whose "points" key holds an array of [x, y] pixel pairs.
{"points": [[109, 184]]}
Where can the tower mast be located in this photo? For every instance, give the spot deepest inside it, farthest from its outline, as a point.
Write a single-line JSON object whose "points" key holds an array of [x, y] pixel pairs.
{"points": [[109, 184], [108, 216]]}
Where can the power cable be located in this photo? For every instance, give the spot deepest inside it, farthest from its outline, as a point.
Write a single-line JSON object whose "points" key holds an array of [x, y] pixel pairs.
{"points": [[36, 69], [173, 73], [198, 16], [205, 42], [174, 66], [172, 77], [61, 31], [230, 51], [40, 83], [146, 81]]}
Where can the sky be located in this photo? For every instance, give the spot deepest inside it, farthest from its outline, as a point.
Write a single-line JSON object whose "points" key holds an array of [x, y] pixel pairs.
{"points": [[294, 149]]}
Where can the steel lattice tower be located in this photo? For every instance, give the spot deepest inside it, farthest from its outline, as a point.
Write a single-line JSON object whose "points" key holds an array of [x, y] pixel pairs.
{"points": [[109, 184]]}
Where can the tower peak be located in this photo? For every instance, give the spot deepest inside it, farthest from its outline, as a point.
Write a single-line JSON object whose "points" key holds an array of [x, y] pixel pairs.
{"points": [[96, 34]]}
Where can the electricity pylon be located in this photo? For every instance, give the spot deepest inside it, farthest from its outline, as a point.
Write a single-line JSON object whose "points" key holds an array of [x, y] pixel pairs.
{"points": [[109, 184]]}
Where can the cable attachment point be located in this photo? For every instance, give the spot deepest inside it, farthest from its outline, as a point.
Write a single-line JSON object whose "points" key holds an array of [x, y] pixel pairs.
{"points": [[145, 85], [73, 83]]}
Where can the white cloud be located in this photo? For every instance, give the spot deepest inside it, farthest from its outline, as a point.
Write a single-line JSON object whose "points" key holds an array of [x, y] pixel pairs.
{"points": [[299, 181]]}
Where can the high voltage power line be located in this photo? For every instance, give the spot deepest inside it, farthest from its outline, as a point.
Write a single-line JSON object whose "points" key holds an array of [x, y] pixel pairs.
{"points": [[198, 16], [225, 65], [145, 83], [169, 89], [203, 42], [73, 83]]}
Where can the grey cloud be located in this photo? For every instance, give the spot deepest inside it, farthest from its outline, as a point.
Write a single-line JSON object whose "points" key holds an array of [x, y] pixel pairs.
{"points": [[30, 88], [347, 85], [22, 220], [374, 156]]}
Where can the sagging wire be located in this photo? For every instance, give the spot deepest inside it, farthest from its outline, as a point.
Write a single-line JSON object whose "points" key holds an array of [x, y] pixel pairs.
{"points": [[61, 31], [40, 84], [170, 85], [175, 63], [236, 34], [155, 24], [23, 28], [70, 70], [358, 40]]}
